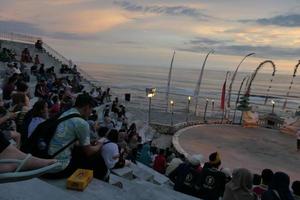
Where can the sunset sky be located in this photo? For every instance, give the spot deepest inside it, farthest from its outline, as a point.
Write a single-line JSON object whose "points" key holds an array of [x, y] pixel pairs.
{"points": [[145, 32]]}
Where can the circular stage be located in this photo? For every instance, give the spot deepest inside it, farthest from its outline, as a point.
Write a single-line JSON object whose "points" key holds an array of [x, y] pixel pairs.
{"points": [[251, 148]]}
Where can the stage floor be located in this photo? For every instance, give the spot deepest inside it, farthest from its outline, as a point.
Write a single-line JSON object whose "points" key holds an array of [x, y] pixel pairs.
{"points": [[252, 148]]}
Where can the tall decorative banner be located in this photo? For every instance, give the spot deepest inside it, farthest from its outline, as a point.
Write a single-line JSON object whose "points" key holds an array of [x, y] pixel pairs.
{"points": [[233, 78], [224, 92], [291, 84], [169, 83], [255, 73], [197, 88]]}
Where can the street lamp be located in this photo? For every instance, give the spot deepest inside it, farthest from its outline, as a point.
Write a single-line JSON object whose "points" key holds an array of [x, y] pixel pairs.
{"points": [[151, 92], [188, 108], [204, 116], [273, 106], [172, 111]]}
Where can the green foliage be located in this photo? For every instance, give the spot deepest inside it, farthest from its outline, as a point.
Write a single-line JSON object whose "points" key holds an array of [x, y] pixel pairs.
{"points": [[244, 103]]}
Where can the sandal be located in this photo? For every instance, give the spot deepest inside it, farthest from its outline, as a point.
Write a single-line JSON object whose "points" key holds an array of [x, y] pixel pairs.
{"points": [[19, 175]]}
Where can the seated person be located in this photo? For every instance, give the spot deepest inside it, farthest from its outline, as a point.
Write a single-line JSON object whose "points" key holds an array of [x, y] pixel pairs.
{"points": [[175, 162], [9, 87], [55, 107], [160, 162], [39, 115], [41, 89], [83, 153], [36, 60], [110, 150], [279, 188], [4, 56], [296, 189], [8, 125], [34, 69], [185, 176], [39, 45], [145, 156], [211, 182], [25, 56], [239, 188], [266, 176]]}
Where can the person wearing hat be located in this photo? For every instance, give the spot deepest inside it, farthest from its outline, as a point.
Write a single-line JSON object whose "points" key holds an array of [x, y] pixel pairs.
{"points": [[184, 176], [84, 154], [210, 184]]}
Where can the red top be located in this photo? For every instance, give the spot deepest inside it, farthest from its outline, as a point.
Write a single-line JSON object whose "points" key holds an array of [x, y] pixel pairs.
{"points": [[160, 164], [260, 189]]}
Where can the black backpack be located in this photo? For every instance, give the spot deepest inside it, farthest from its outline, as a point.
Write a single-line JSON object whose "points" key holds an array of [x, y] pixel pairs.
{"points": [[39, 141]]}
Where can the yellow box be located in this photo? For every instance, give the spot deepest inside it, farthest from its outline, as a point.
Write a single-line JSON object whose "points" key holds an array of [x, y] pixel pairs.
{"points": [[80, 179]]}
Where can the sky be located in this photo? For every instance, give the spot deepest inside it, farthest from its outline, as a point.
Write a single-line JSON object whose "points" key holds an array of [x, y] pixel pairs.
{"points": [[146, 32]]}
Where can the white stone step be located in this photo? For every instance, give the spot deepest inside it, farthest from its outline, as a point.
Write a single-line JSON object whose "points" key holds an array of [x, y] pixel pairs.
{"points": [[144, 190], [96, 190], [34, 189], [141, 173], [157, 178], [124, 172]]}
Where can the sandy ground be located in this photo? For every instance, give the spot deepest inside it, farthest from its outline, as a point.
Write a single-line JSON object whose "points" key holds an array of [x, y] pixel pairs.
{"points": [[255, 149]]}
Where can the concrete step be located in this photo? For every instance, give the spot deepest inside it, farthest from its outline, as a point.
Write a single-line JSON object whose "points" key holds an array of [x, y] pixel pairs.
{"points": [[34, 189], [140, 170], [124, 172], [144, 190], [141, 173], [96, 190]]}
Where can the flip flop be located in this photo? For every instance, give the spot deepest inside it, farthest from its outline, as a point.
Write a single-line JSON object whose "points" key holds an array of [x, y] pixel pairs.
{"points": [[18, 175]]}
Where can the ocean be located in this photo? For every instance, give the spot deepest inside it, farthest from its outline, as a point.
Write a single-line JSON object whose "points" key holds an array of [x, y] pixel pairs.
{"points": [[135, 79]]}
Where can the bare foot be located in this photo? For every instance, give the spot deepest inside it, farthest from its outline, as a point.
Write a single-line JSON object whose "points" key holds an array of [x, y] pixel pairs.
{"points": [[12, 152]]}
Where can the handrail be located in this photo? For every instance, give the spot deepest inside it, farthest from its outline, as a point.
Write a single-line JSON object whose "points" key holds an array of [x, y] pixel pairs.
{"points": [[90, 79], [18, 37]]}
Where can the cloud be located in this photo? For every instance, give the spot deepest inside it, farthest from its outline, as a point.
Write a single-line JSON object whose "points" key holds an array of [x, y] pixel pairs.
{"points": [[86, 21], [21, 27], [230, 47], [24, 27], [162, 9], [279, 20]]}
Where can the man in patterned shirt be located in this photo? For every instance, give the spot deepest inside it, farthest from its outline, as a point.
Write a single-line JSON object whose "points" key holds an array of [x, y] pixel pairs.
{"points": [[81, 154]]}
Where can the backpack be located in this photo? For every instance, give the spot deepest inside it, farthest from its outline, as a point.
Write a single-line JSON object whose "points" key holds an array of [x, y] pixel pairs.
{"points": [[39, 141]]}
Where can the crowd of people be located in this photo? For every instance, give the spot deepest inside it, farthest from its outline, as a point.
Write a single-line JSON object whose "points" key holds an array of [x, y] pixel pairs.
{"points": [[64, 127]]}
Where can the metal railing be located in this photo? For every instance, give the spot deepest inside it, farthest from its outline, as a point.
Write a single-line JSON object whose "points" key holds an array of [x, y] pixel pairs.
{"points": [[18, 37]]}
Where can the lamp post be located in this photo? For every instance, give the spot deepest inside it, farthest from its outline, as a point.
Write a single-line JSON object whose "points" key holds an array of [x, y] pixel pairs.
{"points": [[172, 111], [273, 106], [204, 116], [188, 108], [150, 93]]}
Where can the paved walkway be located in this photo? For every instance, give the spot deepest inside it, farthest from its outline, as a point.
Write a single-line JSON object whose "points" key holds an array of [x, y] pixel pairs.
{"points": [[255, 149]]}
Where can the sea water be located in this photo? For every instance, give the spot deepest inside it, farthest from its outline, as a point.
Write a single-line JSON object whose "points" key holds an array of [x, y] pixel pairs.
{"points": [[135, 79]]}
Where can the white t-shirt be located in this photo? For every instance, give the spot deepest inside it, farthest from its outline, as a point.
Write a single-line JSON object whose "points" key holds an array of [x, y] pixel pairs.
{"points": [[108, 152], [33, 124]]}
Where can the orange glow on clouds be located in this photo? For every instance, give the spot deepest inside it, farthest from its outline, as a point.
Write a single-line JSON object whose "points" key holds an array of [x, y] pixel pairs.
{"points": [[88, 22]]}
